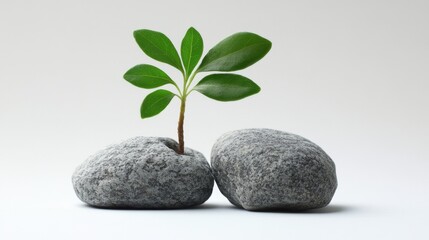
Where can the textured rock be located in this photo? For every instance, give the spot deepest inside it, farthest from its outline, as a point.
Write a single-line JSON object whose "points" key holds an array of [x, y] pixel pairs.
{"points": [[264, 169], [144, 172]]}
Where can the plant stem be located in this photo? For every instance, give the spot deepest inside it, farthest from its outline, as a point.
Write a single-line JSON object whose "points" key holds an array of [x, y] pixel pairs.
{"points": [[180, 126], [187, 80], [182, 117]]}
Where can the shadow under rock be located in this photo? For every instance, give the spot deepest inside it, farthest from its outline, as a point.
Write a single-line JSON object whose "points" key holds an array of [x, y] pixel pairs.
{"points": [[208, 206], [324, 210]]}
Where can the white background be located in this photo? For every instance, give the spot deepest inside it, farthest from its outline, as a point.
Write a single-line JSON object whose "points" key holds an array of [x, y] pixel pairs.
{"points": [[351, 76]]}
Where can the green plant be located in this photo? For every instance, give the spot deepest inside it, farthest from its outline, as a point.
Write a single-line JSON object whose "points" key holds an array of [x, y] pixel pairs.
{"points": [[234, 53]]}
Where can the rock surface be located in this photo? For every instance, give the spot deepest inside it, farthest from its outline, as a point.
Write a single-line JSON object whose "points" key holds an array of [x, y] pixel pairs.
{"points": [[264, 169], [144, 172]]}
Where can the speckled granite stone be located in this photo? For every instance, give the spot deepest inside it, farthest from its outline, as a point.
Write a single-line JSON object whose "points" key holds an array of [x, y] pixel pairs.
{"points": [[264, 169], [144, 172]]}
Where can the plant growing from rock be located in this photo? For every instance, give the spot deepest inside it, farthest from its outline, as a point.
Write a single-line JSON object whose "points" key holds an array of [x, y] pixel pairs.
{"points": [[235, 52]]}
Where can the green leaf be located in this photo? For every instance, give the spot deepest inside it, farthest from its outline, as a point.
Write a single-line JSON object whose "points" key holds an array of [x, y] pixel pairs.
{"points": [[147, 76], [227, 87], [235, 53], [155, 102], [157, 46], [191, 50]]}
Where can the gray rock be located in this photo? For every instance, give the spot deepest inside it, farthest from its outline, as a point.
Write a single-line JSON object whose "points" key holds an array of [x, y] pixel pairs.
{"points": [[144, 172], [264, 169]]}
